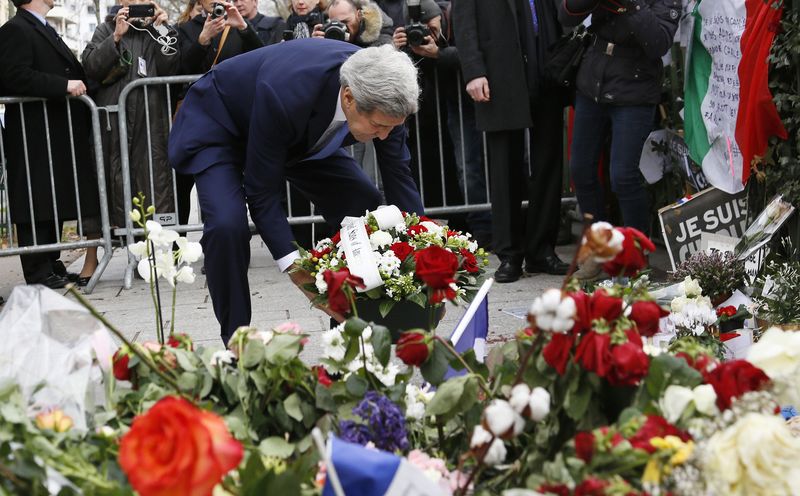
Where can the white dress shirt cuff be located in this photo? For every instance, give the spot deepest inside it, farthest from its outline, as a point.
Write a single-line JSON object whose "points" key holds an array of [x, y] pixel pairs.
{"points": [[286, 261]]}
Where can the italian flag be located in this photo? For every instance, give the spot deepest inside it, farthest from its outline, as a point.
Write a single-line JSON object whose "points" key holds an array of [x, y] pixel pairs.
{"points": [[729, 113]]}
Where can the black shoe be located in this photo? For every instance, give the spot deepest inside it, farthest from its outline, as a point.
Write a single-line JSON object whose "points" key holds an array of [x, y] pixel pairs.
{"points": [[60, 270], [52, 281], [83, 281], [508, 272], [550, 264]]}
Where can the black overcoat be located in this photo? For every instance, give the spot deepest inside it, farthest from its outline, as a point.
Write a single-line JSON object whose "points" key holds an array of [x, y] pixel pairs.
{"points": [[34, 63]]}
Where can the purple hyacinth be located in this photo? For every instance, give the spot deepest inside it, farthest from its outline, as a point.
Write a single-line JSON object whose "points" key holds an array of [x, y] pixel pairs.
{"points": [[382, 423]]}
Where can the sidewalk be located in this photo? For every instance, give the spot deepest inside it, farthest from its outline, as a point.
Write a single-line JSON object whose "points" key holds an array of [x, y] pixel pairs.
{"points": [[275, 300]]}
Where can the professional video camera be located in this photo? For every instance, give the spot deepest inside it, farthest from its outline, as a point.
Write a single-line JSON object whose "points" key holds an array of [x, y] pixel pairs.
{"points": [[416, 31], [217, 10], [336, 30]]}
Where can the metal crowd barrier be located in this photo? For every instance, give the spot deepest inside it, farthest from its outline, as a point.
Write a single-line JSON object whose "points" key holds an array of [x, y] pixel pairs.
{"points": [[8, 229]]}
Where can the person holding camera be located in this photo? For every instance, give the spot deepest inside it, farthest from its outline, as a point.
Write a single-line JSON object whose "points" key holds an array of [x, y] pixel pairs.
{"points": [[269, 29], [133, 43], [305, 15], [217, 34], [360, 22], [618, 88]]}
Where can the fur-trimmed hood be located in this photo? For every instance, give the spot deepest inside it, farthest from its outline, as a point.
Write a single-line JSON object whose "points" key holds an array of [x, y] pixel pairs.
{"points": [[374, 20]]}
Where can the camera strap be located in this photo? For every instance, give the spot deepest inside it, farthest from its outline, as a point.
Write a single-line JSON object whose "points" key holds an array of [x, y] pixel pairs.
{"points": [[221, 44]]}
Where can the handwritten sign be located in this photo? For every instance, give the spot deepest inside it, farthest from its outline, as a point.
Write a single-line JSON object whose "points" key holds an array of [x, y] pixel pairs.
{"points": [[360, 258]]}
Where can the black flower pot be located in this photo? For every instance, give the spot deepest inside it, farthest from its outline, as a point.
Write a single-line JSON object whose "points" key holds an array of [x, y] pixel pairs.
{"points": [[731, 325], [405, 315]]}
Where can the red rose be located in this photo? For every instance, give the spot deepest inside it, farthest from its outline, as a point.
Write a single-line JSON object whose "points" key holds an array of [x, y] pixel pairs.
{"points": [[425, 218], [591, 487], [436, 267], [604, 306], [728, 311], [556, 352], [180, 340], [322, 376], [628, 365], [451, 234], [732, 379], [594, 354], [584, 446], [469, 262], [402, 250], [120, 362], [557, 489], [337, 298], [177, 448], [633, 256], [583, 319], [646, 314], [655, 426], [616, 438], [701, 363], [414, 230], [413, 348]]}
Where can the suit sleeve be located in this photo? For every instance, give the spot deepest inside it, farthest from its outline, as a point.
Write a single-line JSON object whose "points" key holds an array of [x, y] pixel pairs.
{"points": [[465, 27], [264, 180], [394, 160], [654, 25], [101, 54], [17, 74]]}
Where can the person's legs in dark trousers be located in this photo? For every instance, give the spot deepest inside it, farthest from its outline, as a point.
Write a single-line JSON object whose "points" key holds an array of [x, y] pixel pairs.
{"points": [[226, 244], [544, 188], [38, 267], [507, 180], [588, 137], [630, 127], [469, 163]]}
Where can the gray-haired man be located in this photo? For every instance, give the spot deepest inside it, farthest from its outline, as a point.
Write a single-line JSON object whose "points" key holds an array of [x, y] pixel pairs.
{"points": [[284, 113]]}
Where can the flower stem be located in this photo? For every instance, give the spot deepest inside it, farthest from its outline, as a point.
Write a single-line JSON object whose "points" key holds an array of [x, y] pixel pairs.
{"points": [[449, 347], [364, 361], [431, 310], [145, 359], [172, 318], [573, 266], [525, 359]]}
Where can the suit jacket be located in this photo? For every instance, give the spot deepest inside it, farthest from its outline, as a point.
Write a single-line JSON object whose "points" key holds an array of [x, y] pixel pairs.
{"points": [[266, 109], [36, 64], [489, 46]]}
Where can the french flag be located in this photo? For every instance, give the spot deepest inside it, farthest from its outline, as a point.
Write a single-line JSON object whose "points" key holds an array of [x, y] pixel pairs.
{"points": [[473, 328]]}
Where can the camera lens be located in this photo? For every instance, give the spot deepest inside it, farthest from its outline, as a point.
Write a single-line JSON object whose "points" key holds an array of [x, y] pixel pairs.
{"points": [[335, 30], [217, 10]]}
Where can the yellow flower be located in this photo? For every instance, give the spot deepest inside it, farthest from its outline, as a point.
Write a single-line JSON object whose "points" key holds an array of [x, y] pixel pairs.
{"points": [[682, 454], [54, 420], [652, 472]]}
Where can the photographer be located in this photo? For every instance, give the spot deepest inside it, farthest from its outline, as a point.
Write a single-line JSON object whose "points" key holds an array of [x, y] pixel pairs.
{"points": [[269, 29], [200, 38], [618, 88], [366, 24], [305, 15], [123, 49]]}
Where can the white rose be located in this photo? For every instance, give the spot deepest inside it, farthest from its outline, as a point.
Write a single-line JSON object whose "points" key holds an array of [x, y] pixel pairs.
{"points": [[677, 304], [432, 227], [777, 353], [502, 420], [691, 287], [539, 404], [380, 239], [676, 399], [705, 399], [222, 356]]}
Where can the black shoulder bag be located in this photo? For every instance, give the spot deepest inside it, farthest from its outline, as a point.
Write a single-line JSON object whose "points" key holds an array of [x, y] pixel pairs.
{"points": [[566, 55]]}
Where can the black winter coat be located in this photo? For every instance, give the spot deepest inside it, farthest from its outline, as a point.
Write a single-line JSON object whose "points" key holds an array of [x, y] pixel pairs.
{"points": [[197, 59], [269, 29], [623, 65], [35, 64], [489, 46]]}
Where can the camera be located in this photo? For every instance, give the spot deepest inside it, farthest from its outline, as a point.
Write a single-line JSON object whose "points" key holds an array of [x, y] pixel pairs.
{"points": [[217, 10], [336, 30], [141, 10], [416, 31]]}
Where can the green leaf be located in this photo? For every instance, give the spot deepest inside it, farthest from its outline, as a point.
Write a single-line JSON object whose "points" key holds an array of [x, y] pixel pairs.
{"points": [[354, 326], [284, 483], [353, 347], [208, 384], [184, 360], [276, 446], [253, 353], [356, 385], [187, 381], [435, 368], [447, 396], [283, 348], [577, 399], [386, 307], [420, 299], [382, 343], [324, 398], [292, 407]]}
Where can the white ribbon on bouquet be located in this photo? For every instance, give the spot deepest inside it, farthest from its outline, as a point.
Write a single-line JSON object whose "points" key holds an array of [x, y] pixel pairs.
{"points": [[357, 248]]}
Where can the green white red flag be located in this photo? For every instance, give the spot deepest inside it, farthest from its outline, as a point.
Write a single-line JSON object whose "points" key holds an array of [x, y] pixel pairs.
{"points": [[729, 114]]}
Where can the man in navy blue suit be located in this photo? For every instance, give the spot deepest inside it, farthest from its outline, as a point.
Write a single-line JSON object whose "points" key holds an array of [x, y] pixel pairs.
{"points": [[280, 113]]}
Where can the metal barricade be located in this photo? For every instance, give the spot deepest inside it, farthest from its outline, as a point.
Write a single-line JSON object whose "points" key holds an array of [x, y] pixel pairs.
{"points": [[28, 107]]}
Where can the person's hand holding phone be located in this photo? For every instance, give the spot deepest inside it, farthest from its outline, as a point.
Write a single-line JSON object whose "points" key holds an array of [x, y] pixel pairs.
{"points": [[120, 24]]}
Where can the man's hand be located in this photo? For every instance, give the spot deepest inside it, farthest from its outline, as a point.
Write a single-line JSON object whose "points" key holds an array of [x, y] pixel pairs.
{"points": [[399, 38], [430, 49], [300, 278], [478, 89], [211, 28], [235, 19], [120, 24], [75, 87], [318, 32], [160, 17]]}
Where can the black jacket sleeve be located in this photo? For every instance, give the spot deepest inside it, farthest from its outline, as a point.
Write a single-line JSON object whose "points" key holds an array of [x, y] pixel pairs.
{"points": [[654, 25], [465, 26], [17, 75]]}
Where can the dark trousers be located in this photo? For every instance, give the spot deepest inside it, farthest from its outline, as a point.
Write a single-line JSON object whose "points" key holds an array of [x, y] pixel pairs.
{"points": [[336, 185], [516, 237], [37, 266], [630, 125]]}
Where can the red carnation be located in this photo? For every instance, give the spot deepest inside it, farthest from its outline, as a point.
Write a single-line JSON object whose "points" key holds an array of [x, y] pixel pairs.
{"points": [[732, 379], [402, 250], [655, 426], [556, 352], [728, 311], [584, 446], [646, 314], [337, 298], [413, 348], [120, 362], [557, 489], [633, 256], [604, 306], [469, 262], [322, 376], [591, 487], [594, 354], [436, 267], [414, 230], [628, 365]]}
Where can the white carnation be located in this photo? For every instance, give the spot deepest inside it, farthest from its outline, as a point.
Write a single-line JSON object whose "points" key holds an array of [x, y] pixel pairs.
{"points": [[380, 239], [319, 282]]}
